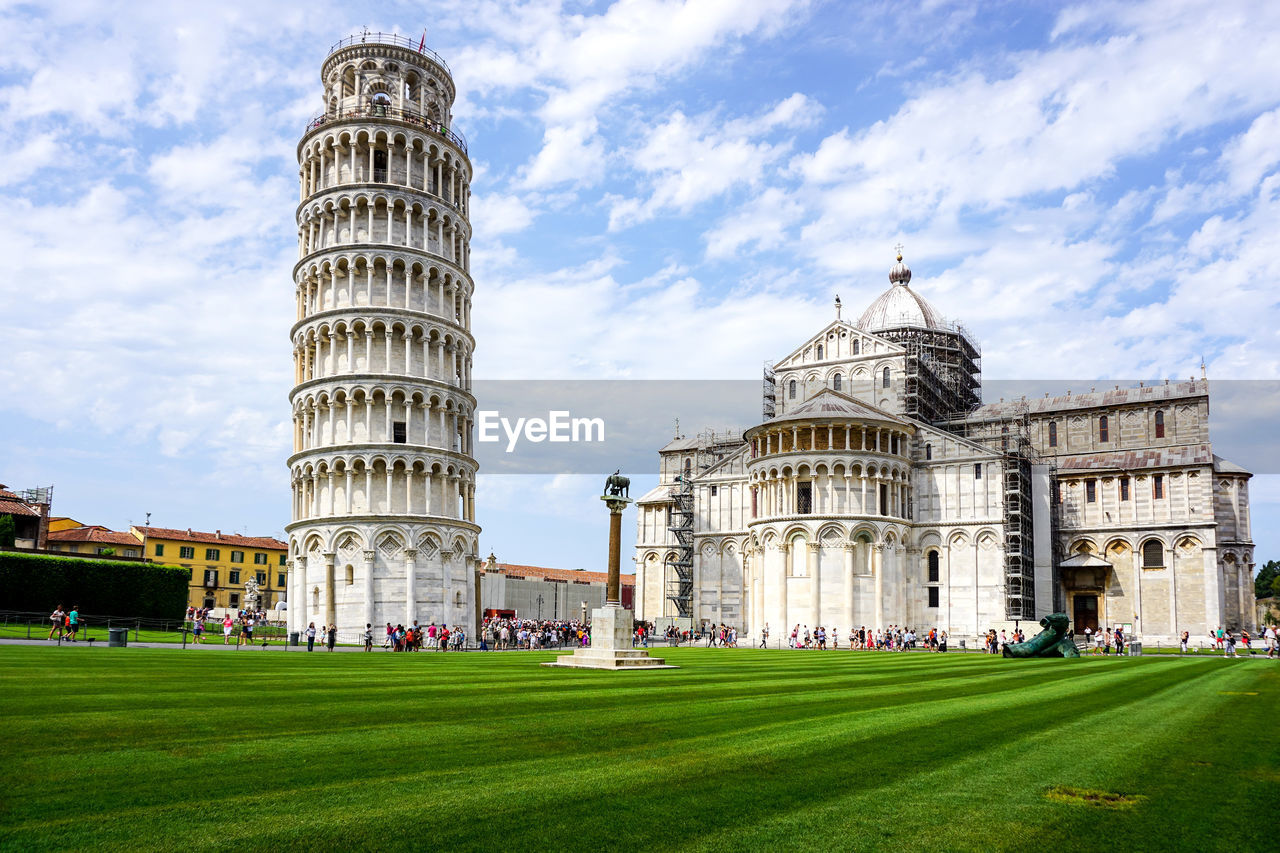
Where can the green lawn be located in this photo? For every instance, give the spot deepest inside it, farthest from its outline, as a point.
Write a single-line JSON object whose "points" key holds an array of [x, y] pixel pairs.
{"points": [[739, 749]]}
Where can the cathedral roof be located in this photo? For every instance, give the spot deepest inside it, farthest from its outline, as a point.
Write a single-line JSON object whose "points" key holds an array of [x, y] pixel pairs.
{"points": [[1132, 460], [1091, 400], [900, 306]]}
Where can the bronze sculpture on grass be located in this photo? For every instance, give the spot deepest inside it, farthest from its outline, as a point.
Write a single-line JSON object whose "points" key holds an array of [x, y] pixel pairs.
{"points": [[1052, 642]]}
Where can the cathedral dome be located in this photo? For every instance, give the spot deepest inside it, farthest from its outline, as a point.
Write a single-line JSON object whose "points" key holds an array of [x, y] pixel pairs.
{"points": [[900, 306]]}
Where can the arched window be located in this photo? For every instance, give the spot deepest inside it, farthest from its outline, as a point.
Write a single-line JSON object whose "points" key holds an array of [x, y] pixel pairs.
{"points": [[884, 378], [791, 389], [1053, 434], [351, 575], [1153, 554], [857, 347], [819, 352], [1159, 424], [933, 567], [835, 382], [928, 451], [1104, 430]]}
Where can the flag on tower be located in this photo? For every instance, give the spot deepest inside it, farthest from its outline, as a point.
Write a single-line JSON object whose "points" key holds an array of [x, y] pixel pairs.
{"points": [[422, 44]]}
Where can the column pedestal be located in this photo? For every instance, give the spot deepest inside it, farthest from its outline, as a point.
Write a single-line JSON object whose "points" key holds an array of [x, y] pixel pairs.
{"points": [[612, 625]]}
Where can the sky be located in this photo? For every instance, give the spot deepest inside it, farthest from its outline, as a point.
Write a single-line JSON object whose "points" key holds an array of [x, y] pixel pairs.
{"points": [[663, 190]]}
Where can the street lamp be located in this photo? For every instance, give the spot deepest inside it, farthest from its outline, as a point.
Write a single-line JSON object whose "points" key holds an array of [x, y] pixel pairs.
{"points": [[539, 607]]}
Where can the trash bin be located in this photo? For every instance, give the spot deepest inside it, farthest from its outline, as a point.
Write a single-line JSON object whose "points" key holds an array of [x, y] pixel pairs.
{"points": [[962, 642], [1135, 649], [293, 638], [117, 637]]}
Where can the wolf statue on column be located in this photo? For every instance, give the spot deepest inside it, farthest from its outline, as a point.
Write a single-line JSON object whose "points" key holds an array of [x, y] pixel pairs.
{"points": [[1052, 642]]}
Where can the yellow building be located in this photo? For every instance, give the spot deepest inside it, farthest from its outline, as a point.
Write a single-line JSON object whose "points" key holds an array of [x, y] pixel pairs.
{"points": [[220, 564], [92, 539], [58, 523]]}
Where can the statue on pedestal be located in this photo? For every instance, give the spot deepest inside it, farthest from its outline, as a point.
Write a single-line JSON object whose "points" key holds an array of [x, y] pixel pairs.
{"points": [[252, 597]]}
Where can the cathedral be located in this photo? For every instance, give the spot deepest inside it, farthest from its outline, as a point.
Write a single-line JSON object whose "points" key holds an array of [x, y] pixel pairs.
{"points": [[879, 490]]}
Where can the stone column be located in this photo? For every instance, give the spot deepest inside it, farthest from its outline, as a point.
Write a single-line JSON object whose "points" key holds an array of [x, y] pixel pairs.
{"points": [[784, 551], [815, 585], [1138, 626], [330, 608], [369, 557], [848, 584], [877, 568], [410, 585], [292, 597], [446, 582]]}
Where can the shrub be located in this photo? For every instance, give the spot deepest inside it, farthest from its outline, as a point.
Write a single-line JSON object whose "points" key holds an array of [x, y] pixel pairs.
{"points": [[100, 587]]}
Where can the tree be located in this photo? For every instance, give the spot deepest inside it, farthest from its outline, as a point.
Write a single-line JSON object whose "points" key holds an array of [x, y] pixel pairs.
{"points": [[8, 533], [1267, 582]]}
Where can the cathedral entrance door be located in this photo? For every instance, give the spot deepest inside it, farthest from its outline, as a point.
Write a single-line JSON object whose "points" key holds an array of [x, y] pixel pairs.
{"points": [[1085, 612]]}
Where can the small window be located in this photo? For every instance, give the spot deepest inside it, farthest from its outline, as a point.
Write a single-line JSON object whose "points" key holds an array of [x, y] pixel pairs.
{"points": [[1159, 424], [212, 554], [857, 347], [933, 567], [159, 550], [713, 491], [282, 557], [1053, 434], [835, 382], [186, 552], [211, 577], [1153, 554], [933, 596], [261, 577], [791, 390], [804, 497], [1104, 430], [977, 471], [259, 559], [819, 352], [233, 577], [280, 580], [237, 556], [235, 599], [398, 432], [928, 451], [884, 378], [1124, 488], [1157, 486], [1090, 490], [351, 575]]}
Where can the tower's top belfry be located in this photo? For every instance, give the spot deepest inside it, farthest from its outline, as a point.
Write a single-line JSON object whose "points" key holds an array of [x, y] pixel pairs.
{"points": [[389, 76]]}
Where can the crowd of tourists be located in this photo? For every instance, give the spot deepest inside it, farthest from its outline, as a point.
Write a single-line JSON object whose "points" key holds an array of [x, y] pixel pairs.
{"points": [[508, 633]]}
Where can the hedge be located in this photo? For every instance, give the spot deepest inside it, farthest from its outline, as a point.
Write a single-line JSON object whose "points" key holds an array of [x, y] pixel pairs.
{"points": [[100, 587]]}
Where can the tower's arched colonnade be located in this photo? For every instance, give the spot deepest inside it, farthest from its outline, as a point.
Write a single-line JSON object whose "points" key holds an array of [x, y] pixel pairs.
{"points": [[383, 471]]}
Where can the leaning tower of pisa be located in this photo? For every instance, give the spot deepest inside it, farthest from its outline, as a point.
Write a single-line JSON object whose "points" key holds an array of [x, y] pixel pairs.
{"points": [[383, 472]]}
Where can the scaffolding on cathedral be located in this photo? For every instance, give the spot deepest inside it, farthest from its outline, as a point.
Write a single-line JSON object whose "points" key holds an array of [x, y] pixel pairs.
{"points": [[769, 399], [942, 371], [709, 449]]}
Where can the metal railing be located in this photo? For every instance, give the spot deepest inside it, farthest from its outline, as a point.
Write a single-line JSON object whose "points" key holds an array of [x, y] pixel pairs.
{"points": [[386, 111], [394, 39]]}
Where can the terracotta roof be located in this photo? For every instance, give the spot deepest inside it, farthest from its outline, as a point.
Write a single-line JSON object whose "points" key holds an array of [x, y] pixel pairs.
{"points": [[1131, 460], [215, 538], [557, 574], [94, 533], [11, 505]]}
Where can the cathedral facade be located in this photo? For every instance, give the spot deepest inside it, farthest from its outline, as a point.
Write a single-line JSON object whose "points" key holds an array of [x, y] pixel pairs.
{"points": [[877, 490]]}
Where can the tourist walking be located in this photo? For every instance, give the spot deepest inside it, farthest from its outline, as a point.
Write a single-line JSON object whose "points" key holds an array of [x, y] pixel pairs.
{"points": [[764, 636], [333, 636], [73, 622], [1272, 640], [226, 629], [58, 617], [368, 636], [1183, 640], [311, 636]]}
